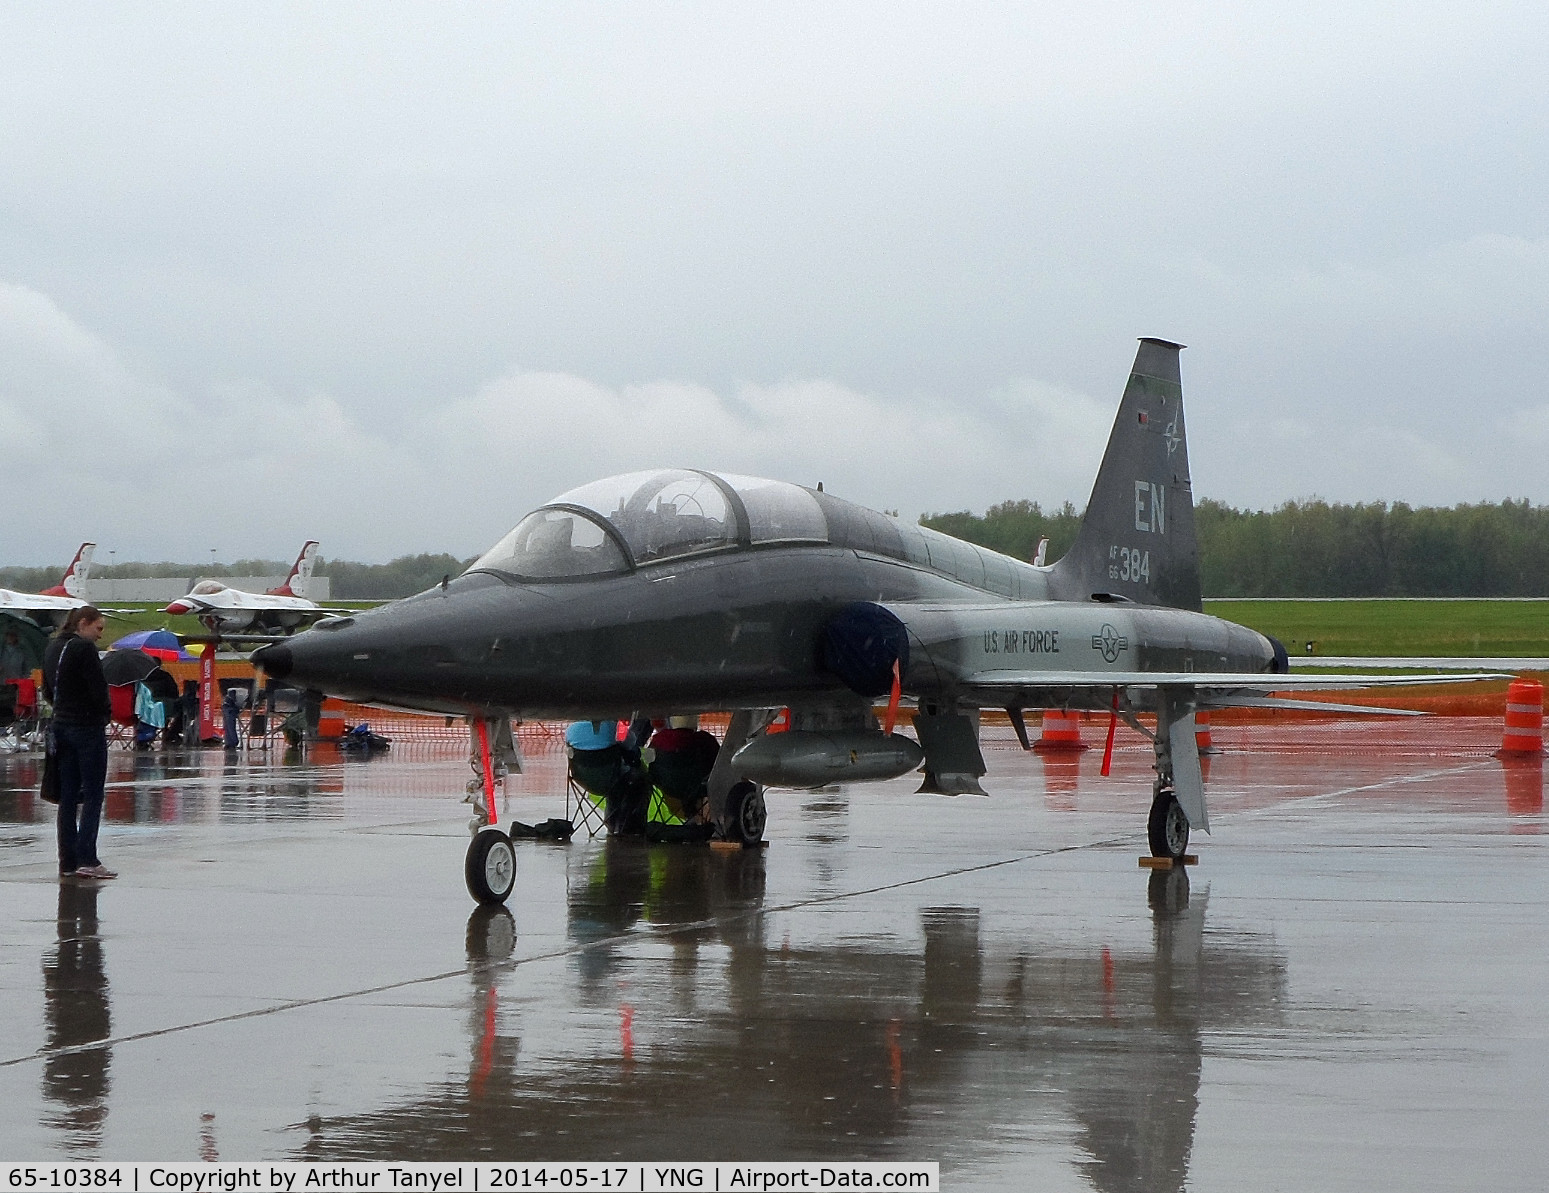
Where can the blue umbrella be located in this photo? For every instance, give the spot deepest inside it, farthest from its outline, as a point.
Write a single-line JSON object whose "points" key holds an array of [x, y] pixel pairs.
{"points": [[162, 644]]}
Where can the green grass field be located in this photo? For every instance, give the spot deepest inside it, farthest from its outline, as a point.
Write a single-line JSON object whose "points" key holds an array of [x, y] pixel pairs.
{"points": [[1374, 627], [1404, 628], [147, 616]]}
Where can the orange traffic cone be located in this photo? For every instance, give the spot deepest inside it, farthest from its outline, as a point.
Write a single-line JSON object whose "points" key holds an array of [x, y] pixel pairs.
{"points": [[1061, 731], [1524, 729], [1202, 737]]}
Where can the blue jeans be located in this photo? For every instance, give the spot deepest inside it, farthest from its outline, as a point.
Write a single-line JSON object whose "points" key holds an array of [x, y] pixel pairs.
{"points": [[83, 773]]}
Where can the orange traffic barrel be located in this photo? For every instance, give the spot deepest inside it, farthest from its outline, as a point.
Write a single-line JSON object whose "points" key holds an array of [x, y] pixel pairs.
{"points": [[1524, 729], [1202, 737], [330, 720], [1061, 731]]}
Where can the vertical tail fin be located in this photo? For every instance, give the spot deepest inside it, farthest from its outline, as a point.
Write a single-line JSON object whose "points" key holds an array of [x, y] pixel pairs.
{"points": [[300, 578], [1137, 539], [73, 583]]}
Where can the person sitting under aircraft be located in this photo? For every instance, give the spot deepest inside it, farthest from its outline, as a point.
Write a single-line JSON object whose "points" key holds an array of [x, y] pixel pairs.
{"points": [[610, 770], [679, 769]]}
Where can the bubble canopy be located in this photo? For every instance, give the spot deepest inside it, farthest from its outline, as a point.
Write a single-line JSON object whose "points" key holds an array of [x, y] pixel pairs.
{"points": [[640, 517]]}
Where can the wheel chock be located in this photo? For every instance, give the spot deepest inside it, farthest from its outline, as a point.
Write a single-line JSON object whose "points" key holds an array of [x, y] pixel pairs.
{"points": [[735, 846], [1166, 863]]}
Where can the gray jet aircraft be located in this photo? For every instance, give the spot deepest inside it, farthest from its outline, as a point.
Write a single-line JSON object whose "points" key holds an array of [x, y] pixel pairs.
{"points": [[678, 592]]}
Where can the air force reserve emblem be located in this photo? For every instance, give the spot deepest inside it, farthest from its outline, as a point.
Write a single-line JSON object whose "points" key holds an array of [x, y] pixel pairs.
{"points": [[1110, 642]]}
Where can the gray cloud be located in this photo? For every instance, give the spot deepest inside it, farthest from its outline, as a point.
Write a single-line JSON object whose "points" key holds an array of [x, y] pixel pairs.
{"points": [[361, 224]]}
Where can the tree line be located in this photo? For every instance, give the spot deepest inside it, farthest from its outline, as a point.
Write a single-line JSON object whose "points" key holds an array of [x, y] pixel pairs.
{"points": [[1319, 548], [1300, 549]]}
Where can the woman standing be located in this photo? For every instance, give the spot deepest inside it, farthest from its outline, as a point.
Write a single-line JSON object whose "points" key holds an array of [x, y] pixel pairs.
{"points": [[73, 682]]}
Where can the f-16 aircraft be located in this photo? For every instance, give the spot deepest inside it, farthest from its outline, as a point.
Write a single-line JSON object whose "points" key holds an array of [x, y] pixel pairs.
{"points": [[53, 604], [678, 591], [253, 616]]}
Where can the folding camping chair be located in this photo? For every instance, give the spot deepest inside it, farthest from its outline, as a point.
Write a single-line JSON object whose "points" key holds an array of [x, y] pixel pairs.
{"points": [[267, 719], [122, 727], [581, 808], [18, 715]]}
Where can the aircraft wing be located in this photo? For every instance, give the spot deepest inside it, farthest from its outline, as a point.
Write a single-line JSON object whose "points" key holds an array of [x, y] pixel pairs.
{"points": [[22, 602], [1214, 681], [1093, 689]]}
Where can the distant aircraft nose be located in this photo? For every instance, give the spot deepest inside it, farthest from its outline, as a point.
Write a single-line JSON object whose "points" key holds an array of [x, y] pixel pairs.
{"points": [[178, 607], [275, 660]]}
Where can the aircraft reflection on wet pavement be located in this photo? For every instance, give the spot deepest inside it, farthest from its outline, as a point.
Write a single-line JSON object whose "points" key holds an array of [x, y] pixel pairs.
{"points": [[740, 1046], [677, 592]]}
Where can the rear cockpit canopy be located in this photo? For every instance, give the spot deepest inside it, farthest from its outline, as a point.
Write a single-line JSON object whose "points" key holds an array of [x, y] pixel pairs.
{"points": [[611, 525]]}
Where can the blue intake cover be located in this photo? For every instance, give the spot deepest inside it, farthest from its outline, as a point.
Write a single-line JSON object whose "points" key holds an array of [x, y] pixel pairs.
{"points": [[860, 643]]}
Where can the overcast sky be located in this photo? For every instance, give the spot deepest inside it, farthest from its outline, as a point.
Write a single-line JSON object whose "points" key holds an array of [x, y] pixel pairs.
{"points": [[391, 275]]}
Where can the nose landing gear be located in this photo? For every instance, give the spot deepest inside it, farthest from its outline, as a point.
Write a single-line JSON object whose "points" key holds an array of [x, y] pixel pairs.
{"points": [[490, 867]]}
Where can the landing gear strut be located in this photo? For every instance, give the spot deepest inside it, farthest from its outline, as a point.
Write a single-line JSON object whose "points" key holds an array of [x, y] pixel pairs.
{"points": [[1178, 795], [489, 867]]}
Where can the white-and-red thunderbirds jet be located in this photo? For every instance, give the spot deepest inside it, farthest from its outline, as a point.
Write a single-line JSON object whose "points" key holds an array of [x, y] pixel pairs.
{"points": [[231, 611]]}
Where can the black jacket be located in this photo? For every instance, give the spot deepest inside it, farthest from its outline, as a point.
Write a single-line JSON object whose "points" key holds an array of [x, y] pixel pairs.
{"points": [[81, 695]]}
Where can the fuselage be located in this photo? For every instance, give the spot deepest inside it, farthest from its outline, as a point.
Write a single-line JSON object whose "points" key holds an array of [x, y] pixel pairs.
{"points": [[732, 622]]}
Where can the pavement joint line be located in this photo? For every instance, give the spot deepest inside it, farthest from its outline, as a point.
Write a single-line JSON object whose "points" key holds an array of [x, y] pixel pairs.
{"points": [[42, 1054], [1396, 781]]}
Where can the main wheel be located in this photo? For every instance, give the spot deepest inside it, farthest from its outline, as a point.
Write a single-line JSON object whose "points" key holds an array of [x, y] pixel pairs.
{"points": [[745, 813], [1167, 828], [490, 867]]}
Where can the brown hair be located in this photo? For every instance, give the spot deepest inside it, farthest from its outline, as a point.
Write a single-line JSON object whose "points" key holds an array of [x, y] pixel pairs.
{"points": [[73, 620]]}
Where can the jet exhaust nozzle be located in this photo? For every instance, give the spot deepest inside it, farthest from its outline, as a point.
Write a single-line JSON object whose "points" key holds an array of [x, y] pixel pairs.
{"points": [[810, 758]]}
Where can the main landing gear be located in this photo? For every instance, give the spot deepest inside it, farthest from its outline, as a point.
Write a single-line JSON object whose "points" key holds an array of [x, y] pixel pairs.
{"points": [[1167, 827], [1178, 793], [745, 814]]}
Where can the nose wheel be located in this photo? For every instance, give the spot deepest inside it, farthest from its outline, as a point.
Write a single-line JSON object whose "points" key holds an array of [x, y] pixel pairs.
{"points": [[490, 867]]}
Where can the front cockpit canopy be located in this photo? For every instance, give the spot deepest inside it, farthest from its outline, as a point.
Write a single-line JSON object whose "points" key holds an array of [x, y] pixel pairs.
{"points": [[554, 544], [641, 517]]}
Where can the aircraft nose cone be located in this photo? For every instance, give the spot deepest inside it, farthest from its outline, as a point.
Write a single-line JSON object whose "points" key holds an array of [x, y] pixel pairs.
{"points": [[275, 660]]}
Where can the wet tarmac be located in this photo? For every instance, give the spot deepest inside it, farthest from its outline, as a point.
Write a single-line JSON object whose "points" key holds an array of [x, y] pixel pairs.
{"points": [[1351, 991]]}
